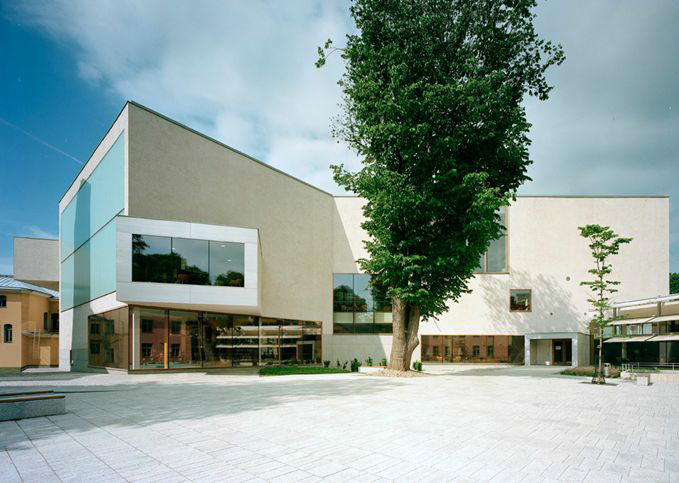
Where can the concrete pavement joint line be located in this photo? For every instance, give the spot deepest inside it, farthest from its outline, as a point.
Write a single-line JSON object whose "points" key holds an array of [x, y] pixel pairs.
{"points": [[36, 449]]}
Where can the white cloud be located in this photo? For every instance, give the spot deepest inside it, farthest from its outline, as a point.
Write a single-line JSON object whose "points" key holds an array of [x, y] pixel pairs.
{"points": [[242, 72]]}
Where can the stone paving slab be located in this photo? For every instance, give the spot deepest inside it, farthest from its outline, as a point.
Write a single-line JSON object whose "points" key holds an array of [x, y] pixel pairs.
{"points": [[501, 424]]}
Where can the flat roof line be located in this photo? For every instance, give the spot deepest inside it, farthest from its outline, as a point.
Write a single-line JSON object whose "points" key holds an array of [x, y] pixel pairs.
{"points": [[35, 238]]}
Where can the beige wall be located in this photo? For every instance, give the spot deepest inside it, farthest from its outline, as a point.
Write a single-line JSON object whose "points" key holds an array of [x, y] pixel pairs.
{"points": [[36, 261], [176, 174], [25, 312], [546, 255]]}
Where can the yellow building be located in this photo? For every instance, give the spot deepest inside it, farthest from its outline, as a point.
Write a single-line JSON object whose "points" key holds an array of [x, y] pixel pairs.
{"points": [[29, 320]]}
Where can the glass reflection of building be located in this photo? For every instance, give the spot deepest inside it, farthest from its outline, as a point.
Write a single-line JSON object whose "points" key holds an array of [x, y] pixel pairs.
{"points": [[473, 348], [172, 339]]}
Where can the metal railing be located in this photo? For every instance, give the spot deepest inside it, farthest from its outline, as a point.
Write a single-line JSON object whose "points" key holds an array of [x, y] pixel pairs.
{"points": [[663, 366]]}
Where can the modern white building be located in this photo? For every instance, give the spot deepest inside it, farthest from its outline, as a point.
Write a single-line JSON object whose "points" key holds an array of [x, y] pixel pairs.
{"points": [[177, 251]]}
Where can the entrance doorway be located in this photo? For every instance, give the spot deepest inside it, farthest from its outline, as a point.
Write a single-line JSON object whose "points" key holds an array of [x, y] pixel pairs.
{"points": [[562, 352]]}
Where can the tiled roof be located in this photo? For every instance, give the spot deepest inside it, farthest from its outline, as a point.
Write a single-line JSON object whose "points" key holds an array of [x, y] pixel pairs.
{"points": [[11, 284]]}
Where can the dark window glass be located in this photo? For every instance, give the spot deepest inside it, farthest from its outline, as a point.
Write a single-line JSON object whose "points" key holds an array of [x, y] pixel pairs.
{"points": [[147, 326], [94, 348], [468, 348], [193, 261], [175, 327], [174, 350], [227, 264], [3, 301], [343, 303], [94, 328], [45, 321], [7, 333], [490, 350], [153, 259], [476, 351], [520, 300], [55, 322], [146, 349], [310, 351]]}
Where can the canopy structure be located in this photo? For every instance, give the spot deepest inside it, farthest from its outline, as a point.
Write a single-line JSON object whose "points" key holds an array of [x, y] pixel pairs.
{"points": [[638, 338]]}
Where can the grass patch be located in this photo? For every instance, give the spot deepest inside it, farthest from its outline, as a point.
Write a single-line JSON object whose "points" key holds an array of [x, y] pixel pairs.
{"points": [[293, 370], [588, 371]]}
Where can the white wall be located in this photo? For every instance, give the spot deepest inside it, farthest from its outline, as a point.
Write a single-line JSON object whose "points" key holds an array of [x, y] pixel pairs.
{"points": [[546, 255], [36, 261]]}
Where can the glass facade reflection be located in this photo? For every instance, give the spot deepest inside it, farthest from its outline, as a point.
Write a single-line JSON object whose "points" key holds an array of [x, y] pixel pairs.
{"points": [[173, 339], [473, 348], [187, 261], [108, 339], [359, 308], [495, 258]]}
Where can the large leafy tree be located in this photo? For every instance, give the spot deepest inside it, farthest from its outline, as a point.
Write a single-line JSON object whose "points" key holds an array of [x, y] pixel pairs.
{"points": [[433, 93], [674, 282], [604, 243]]}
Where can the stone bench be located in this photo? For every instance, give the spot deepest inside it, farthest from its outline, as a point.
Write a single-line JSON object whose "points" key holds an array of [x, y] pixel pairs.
{"points": [[30, 404]]}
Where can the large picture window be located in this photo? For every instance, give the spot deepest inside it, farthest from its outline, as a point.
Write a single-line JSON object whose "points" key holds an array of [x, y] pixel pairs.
{"points": [[473, 348], [359, 308], [495, 258], [520, 300], [187, 261]]}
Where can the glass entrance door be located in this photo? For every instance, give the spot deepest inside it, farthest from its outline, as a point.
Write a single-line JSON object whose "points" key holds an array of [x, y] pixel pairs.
{"points": [[561, 352]]}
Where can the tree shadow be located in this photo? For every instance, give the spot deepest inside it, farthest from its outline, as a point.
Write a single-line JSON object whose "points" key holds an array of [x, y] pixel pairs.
{"points": [[135, 402]]}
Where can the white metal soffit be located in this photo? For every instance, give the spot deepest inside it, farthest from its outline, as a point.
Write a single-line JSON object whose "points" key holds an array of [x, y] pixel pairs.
{"points": [[652, 300], [638, 338], [641, 320]]}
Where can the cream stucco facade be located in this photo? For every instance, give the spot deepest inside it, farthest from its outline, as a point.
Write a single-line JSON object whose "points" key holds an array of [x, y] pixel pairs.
{"points": [[174, 176]]}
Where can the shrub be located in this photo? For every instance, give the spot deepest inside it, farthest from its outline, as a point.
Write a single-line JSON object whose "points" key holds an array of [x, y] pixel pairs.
{"points": [[588, 371], [355, 364], [369, 361], [339, 364], [383, 362], [344, 366], [417, 365], [326, 363]]}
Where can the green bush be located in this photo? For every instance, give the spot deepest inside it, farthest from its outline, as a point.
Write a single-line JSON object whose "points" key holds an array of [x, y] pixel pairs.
{"points": [[417, 365], [326, 363], [383, 362], [369, 361], [588, 371], [294, 370], [355, 364]]}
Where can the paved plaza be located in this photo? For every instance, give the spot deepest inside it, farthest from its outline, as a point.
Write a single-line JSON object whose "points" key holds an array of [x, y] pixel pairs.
{"points": [[490, 424]]}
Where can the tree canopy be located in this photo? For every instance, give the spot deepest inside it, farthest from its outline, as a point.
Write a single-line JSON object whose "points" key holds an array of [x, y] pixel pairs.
{"points": [[432, 104]]}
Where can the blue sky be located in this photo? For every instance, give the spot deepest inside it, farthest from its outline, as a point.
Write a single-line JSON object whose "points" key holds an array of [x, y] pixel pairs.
{"points": [[243, 72]]}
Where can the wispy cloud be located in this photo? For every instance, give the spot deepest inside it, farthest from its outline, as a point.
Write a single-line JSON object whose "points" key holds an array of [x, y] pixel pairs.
{"points": [[34, 231], [40, 141]]}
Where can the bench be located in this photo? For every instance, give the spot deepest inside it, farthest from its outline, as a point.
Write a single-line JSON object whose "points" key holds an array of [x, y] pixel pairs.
{"points": [[31, 404]]}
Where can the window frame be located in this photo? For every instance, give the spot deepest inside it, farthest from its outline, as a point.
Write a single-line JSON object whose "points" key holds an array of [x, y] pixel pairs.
{"points": [[3, 301], [484, 257], [530, 300], [6, 332]]}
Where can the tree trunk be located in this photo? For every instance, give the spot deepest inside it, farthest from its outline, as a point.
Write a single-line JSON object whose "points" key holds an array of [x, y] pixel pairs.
{"points": [[405, 323], [600, 378]]}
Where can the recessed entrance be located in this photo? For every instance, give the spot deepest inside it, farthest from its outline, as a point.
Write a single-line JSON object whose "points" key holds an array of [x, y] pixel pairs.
{"points": [[562, 352]]}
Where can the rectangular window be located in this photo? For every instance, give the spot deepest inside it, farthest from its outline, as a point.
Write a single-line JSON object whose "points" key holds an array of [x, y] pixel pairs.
{"points": [[45, 322], [94, 348], [227, 264], [193, 261], [153, 259], [175, 350], [490, 351], [55, 322], [476, 351], [358, 307], [113, 342], [520, 300], [3, 301], [495, 258], [436, 350], [147, 326], [188, 261], [94, 329], [146, 349], [7, 333]]}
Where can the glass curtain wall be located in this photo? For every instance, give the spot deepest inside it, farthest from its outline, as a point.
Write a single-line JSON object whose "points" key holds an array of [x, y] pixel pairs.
{"points": [[473, 348], [108, 338], [173, 339]]}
